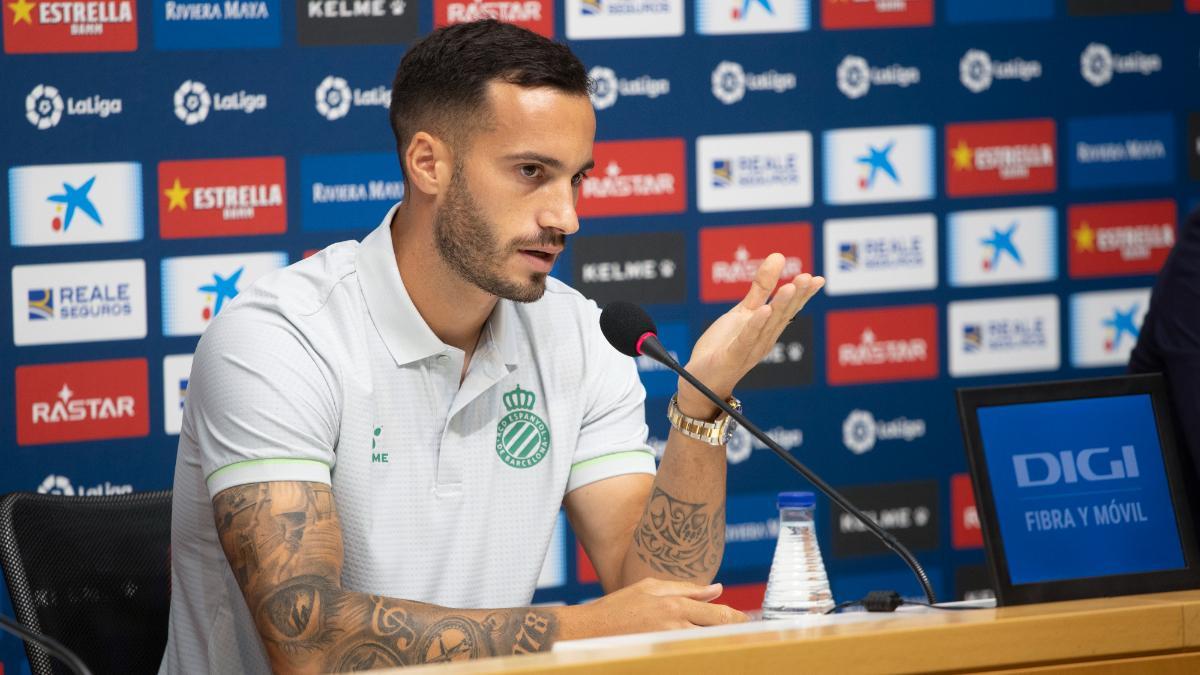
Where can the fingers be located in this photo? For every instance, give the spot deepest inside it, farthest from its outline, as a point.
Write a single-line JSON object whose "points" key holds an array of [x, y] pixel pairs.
{"points": [[707, 614], [662, 588], [764, 282]]}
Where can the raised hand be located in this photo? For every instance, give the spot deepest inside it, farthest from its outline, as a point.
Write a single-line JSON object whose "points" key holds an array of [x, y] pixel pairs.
{"points": [[741, 337]]}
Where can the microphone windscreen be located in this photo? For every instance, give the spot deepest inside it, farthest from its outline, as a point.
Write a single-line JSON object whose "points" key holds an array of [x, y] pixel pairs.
{"points": [[623, 324]]}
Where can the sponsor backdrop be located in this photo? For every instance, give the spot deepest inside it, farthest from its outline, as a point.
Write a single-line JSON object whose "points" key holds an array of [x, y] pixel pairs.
{"points": [[988, 186]]}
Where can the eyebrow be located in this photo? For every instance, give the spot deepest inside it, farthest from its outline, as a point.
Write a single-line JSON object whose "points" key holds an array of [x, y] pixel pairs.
{"points": [[548, 161]]}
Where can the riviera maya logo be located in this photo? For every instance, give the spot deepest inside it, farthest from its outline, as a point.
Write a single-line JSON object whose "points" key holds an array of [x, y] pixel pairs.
{"points": [[522, 438]]}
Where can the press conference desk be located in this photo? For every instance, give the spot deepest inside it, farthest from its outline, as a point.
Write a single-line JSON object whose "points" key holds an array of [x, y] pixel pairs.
{"points": [[1157, 633]]}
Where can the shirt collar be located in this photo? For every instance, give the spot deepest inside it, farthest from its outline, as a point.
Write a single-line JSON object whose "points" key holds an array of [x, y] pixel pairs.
{"points": [[404, 331]]}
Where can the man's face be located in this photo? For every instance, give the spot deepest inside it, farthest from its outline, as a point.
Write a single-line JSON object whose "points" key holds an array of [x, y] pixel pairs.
{"points": [[511, 203]]}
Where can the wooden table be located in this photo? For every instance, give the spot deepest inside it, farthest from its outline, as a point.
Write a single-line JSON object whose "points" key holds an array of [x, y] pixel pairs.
{"points": [[1157, 633]]}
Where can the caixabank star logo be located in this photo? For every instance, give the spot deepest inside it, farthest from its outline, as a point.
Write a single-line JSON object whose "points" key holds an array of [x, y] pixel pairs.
{"points": [[356, 22], [55, 26]]}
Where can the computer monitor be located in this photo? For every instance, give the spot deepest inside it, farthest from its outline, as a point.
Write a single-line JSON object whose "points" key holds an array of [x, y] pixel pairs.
{"points": [[1078, 489]]}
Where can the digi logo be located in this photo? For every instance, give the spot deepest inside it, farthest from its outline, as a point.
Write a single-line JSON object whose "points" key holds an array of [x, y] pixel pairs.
{"points": [[1071, 467]]}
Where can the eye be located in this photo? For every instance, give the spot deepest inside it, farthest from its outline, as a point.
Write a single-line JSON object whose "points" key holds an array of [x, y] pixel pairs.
{"points": [[531, 171], [579, 178]]}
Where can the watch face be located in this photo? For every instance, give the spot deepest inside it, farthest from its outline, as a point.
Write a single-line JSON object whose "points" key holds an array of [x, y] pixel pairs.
{"points": [[731, 426]]}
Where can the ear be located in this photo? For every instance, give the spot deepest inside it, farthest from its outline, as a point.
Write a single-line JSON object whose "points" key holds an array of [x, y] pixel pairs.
{"points": [[427, 163]]}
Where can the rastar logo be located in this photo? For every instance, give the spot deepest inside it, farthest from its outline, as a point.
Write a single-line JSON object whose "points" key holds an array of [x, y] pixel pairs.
{"points": [[193, 102], [334, 97], [222, 197], [61, 485], [54, 204], [608, 87], [855, 76], [45, 106], [1042, 469], [1098, 64], [730, 82], [965, 531], [730, 256], [50, 26], [861, 430], [987, 158], [82, 401], [534, 15], [1105, 326], [842, 14], [635, 177], [1120, 238], [977, 70], [882, 345]]}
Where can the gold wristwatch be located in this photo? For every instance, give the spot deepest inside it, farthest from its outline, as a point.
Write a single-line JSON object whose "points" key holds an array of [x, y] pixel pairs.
{"points": [[717, 432]]}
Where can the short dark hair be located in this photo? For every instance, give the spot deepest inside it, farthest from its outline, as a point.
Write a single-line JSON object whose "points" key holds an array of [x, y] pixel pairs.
{"points": [[441, 84]]}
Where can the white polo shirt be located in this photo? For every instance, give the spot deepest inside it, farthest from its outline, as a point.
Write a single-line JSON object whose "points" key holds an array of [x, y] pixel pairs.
{"points": [[447, 493]]}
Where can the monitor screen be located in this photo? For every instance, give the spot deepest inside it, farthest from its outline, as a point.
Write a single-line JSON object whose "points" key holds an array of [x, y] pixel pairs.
{"points": [[1080, 488]]}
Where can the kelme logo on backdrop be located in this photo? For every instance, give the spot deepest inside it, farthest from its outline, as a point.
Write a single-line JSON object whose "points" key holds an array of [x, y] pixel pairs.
{"points": [[978, 71], [601, 19], [522, 438], [649, 266], [216, 24], [334, 97], [355, 22], [193, 102], [54, 204], [348, 191], [839, 14], [222, 197], [1119, 238], [45, 106], [63, 303], [82, 401], [534, 15], [855, 76], [48, 26], [731, 82], [1098, 64], [739, 17], [1105, 326], [608, 87], [196, 288], [634, 178]]}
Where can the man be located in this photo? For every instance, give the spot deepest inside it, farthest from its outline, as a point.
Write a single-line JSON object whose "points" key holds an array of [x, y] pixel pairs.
{"points": [[377, 440]]}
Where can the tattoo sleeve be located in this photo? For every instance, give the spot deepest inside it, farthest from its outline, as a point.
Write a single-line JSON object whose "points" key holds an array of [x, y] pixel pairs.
{"points": [[284, 545], [681, 539]]}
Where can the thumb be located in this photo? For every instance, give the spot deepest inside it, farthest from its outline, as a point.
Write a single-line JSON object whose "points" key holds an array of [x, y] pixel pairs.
{"points": [[684, 589]]}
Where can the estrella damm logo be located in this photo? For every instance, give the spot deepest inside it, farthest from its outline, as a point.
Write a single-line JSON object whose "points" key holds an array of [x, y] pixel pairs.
{"points": [[522, 438]]}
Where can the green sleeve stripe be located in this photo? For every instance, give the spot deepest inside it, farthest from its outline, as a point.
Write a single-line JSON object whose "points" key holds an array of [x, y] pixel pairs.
{"points": [[628, 454], [263, 462]]}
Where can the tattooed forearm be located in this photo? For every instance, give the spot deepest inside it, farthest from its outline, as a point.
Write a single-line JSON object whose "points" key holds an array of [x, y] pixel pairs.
{"points": [[284, 544], [682, 539]]}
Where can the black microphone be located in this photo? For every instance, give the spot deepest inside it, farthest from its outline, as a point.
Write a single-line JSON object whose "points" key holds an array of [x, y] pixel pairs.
{"points": [[52, 646], [631, 331]]}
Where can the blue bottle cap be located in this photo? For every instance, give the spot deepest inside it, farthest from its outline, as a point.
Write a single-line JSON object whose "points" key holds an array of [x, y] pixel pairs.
{"points": [[796, 500]]}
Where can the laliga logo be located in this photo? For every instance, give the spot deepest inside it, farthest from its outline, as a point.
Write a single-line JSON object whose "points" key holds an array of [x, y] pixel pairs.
{"points": [[854, 76], [1096, 64], [56, 485], [858, 431], [44, 107], [604, 87], [975, 70], [192, 102], [729, 82], [1070, 467], [333, 98]]}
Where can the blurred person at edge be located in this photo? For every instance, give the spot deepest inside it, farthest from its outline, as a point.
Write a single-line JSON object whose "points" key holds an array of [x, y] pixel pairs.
{"points": [[378, 440], [1169, 341]]}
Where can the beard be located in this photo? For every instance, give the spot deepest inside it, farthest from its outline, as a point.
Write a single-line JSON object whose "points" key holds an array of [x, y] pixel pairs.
{"points": [[467, 244]]}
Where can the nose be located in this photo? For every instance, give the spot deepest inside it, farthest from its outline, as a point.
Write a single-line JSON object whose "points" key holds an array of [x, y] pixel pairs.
{"points": [[559, 214]]}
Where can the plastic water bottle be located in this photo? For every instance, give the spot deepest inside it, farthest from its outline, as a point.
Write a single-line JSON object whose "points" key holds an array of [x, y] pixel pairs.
{"points": [[798, 583]]}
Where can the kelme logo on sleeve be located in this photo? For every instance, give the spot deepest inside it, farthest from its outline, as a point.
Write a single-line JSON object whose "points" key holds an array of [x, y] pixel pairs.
{"points": [[522, 438]]}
